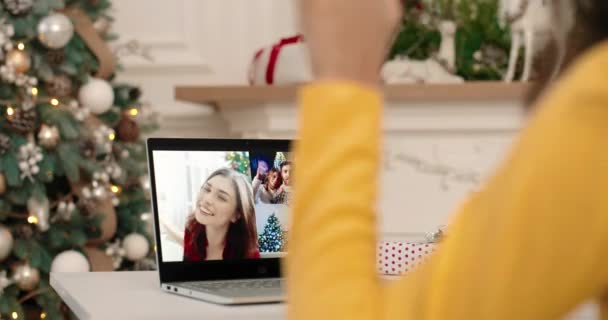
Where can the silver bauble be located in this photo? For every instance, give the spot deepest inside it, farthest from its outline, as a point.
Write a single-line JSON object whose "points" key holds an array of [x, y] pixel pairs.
{"points": [[26, 277], [48, 136], [55, 30]]}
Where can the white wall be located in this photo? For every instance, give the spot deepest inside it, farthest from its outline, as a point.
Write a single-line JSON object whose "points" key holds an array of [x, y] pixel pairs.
{"points": [[196, 42], [212, 41]]}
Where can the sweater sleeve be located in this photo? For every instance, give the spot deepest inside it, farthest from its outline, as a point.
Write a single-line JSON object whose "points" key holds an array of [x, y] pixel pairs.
{"points": [[530, 245], [330, 270]]}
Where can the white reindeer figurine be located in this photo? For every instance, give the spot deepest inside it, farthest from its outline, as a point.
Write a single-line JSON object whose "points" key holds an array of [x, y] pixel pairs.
{"points": [[532, 19], [433, 70]]}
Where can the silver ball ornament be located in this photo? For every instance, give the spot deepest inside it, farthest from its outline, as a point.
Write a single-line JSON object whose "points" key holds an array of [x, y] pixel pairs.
{"points": [[55, 30], [48, 136], [26, 277]]}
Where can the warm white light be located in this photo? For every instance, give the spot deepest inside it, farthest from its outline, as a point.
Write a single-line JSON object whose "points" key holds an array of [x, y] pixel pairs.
{"points": [[10, 111], [112, 136], [115, 189], [20, 46], [43, 315], [54, 102], [133, 112], [32, 219], [34, 91], [15, 315]]}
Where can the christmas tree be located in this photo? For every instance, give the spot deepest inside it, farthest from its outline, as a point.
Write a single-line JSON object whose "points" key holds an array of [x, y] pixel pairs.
{"points": [[239, 161], [272, 239], [74, 192], [482, 45]]}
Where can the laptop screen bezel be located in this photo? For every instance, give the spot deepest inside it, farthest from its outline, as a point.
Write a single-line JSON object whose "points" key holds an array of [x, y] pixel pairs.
{"points": [[209, 270]]}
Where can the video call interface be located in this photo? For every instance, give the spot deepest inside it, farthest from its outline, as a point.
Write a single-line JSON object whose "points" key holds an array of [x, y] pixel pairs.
{"points": [[221, 205]]}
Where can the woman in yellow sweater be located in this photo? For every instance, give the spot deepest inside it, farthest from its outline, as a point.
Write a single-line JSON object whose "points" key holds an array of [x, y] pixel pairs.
{"points": [[531, 245]]}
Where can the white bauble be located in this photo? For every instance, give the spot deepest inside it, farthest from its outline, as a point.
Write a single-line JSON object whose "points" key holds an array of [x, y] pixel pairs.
{"points": [[6, 242], [96, 95], [70, 261], [136, 246], [55, 30]]}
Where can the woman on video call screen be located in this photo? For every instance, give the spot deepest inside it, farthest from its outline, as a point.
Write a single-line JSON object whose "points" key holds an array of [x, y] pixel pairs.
{"points": [[222, 225], [222, 205]]}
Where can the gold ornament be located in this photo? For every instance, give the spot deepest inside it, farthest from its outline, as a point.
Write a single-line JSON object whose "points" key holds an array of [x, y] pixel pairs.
{"points": [[26, 277], [48, 136], [6, 243], [19, 60], [2, 184]]}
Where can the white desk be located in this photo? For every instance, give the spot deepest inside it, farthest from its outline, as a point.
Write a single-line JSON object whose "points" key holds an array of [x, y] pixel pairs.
{"points": [[137, 295]]}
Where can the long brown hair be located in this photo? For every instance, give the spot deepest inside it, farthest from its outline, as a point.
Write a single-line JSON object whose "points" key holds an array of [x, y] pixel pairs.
{"points": [[241, 239], [590, 27]]}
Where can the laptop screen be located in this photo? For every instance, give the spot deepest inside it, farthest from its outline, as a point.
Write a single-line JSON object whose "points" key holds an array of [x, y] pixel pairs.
{"points": [[222, 205]]}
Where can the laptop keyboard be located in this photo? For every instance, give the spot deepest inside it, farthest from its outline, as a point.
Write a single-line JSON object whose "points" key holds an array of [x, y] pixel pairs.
{"points": [[233, 286]]}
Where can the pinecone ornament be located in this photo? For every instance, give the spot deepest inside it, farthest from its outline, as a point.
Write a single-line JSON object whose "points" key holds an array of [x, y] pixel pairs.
{"points": [[59, 86], [55, 57], [5, 143], [22, 121], [17, 7]]}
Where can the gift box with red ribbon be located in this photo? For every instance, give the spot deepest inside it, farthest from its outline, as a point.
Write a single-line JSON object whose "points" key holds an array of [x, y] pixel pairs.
{"points": [[286, 62], [398, 258]]}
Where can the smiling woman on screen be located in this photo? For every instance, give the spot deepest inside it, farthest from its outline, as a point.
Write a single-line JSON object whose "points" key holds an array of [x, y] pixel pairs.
{"points": [[222, 225]]}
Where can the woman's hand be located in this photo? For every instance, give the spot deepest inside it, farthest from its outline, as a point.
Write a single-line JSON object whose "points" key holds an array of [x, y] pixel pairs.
{"points": [[349, 39]]}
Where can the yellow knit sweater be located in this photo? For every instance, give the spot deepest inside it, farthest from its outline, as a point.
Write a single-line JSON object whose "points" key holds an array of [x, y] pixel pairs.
{"points": [[532, 244]]}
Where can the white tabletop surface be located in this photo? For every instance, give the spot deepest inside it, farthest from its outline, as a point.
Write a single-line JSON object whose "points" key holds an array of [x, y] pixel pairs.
{"points": [[137, 295]]}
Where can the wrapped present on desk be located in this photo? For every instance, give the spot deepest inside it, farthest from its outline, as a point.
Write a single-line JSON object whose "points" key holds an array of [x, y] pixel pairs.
{"points": [[398, 258], [286, 62]]}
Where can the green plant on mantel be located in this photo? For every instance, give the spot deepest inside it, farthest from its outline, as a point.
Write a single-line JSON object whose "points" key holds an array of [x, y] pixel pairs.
{"points": [[482, 44]]}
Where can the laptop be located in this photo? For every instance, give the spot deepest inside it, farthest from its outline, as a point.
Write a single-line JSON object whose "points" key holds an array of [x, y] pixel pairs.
{"points": [[221, 217]]}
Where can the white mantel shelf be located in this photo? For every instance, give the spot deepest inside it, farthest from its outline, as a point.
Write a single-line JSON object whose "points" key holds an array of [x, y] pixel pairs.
{"points": [[471, 91]]}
